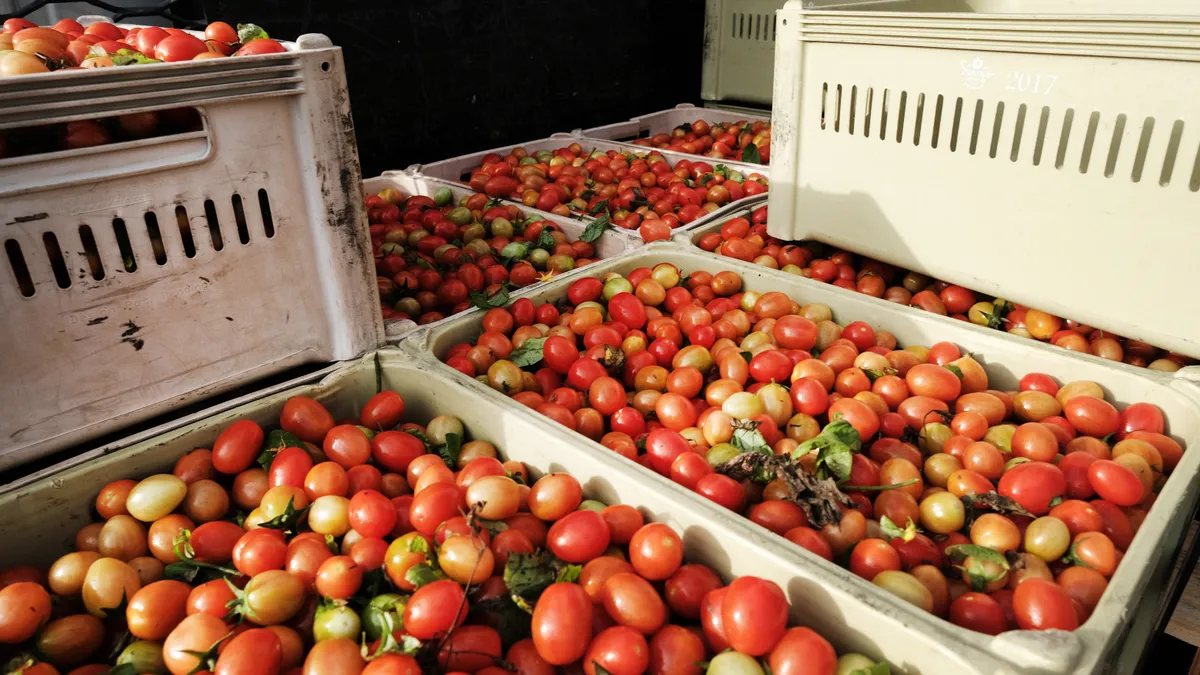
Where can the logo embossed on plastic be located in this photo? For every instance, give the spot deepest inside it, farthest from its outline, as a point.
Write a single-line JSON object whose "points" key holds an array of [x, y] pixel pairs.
{"points": [[975, 73]]}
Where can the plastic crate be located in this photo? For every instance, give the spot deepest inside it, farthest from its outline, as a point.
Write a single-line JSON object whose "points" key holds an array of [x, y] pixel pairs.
{"points": [[1126, 614], [612, 243], [1019, 167], [664, 121], [190, 263], [46, 512], [739, 50]]}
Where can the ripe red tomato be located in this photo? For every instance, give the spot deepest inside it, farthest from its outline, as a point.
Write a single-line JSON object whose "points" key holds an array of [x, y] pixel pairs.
{"points": [[237, 447], [179, 47], [434, 609], [578, 537], [801, 651], [1033, 485], [261, 46], [754, 615], [978, 612], [305, 418], [1115, 483], [1041, 605], [656, 551], [558, 633]]}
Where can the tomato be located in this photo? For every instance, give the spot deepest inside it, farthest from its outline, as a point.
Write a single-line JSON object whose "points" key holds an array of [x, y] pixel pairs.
{"points": [[435, 609], [179, 47], [631, 601], [801, 651], [273, 597], [978, 612], [260, 550], [1114, 482], [754, 615], [382, 411], [662, 447], [70, 640], [470, 649], [257, 650], [872, 556], [618, 650], [434, 505], [1033, 485], [1092, 416], [339, 656], [723, 490], [210, 597], [305, 418], [559, 635], [676, 650], [578, 536], [155, 610], [656, 551], [219, 31], [392, 664], [24, 608], [195, 634], [1096, 551], [1042, 605], [237, 447]]}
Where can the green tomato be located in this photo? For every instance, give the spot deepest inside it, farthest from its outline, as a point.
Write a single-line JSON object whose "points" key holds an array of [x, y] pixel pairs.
{"points": [[848, 663], [440, 427], [592, 505], [515, 250], [145, 657], [501, 227], [460, 215], [538, 257], [443, 196], [721, 453], [375, 615], [616, 285], [335, 622]]}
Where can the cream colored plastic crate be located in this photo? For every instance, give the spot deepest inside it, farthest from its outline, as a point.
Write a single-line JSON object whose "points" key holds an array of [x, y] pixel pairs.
{"points": [[1111, 639], [665, 121], [739, 50], [1064, 175], [248, 236], [44, 513], [612, 243]]}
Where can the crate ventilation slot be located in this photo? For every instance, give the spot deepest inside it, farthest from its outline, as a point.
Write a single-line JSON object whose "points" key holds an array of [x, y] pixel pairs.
{"points": [[1070, 139], [754, 27], [160, 246]]}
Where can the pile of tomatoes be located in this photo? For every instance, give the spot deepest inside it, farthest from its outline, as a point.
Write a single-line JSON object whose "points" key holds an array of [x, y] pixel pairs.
{"points": [[632, 190], [434, 259], [747, 239], [718, 140], [78, 134], [379, 547], [996, 509], [26, 48]]}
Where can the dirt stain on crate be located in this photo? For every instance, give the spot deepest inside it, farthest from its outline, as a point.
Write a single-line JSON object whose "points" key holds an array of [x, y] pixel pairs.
{"points": [[97, 321], [132, 329]]}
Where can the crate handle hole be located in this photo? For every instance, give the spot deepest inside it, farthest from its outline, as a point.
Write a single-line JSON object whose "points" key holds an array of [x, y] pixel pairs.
{"points": [[1018, 131], [325, 66], [16, 261], [127, 258], [214, 226], [1139, 160], [1089, 141], [1114, 148], [264, 205], [57, 263], [88, 240], [1168, 168], [239, 216], [156, 240], [185, 231]]}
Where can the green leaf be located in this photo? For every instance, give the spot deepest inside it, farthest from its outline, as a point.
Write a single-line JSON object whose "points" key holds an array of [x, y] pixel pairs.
{"points": [[599, 207], [449, 451], [747, 356], [546, 239], [895, 532], [526, 575], [125, 57], [569, 574], [721, 170], [287, 522], [511, 621], [497, 299], [419, 575], [248, 32], [954, 369], [195, 572], [595, 228], [419, 435], [277, 440], [747, 437], [529, 353], [750, 154], [835, 461], [587, 195], [838, 433], [961, 552], [706, 179], [880, 668], [600, 670]]}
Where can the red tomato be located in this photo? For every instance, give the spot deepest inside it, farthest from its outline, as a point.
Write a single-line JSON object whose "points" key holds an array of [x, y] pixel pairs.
{"points": [[237, 447], [801, 651], [558, 633], [578, 537], [179, 47], [260, 46], [1033, 485], [305, 418], [434, 609], [1114, 482], [372, 514], [754, 615], [978, 612], [1041, 605], [618, 650]]}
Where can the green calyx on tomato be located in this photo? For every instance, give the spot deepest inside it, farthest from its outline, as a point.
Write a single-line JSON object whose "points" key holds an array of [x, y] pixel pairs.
{"points": [[190, 570], [248, 32], [1072, 558], [980, 565], [277, 440], [893, 531], [287, 522]]}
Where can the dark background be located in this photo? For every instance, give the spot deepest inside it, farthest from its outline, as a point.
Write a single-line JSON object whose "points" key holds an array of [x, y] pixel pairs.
{"points": [[434, 79]]}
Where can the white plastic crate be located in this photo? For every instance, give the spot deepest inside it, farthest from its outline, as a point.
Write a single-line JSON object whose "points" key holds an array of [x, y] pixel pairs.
{"points": [[612, 243], [1111, 640], [1062, 174], [739, 50], [664, 121], [190, 263]]}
